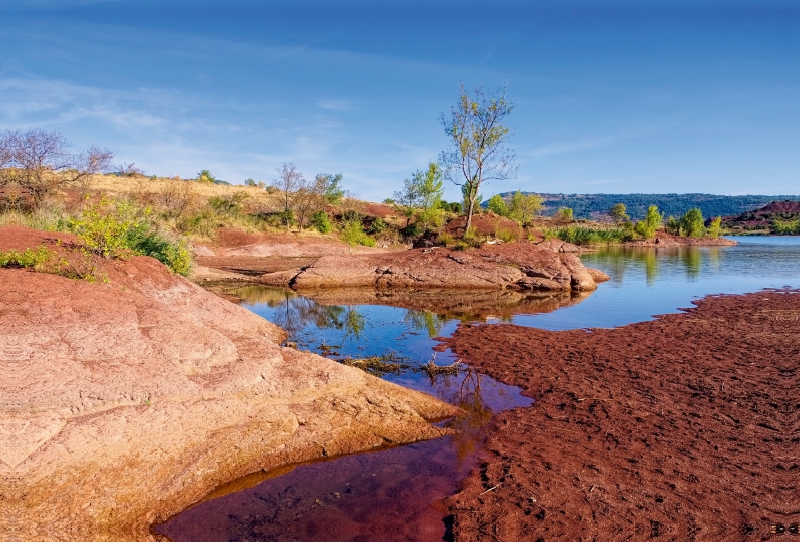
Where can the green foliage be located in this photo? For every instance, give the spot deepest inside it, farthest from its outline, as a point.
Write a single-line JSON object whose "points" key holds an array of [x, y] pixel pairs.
{"points": [[37, 259], [524, 208], [670, 204], [692, 223], [421, 196], [453, 207], [390, 201], [478, 133], [331, 187], [103, 228], [565, 215], [228, 204], [582, 235], [378, 226], [122, 230], [353, 234], [471, 237], [672, 226], [506, 235], [714, 227], [646, 228], [782, 226], [411, 231], [143, 240], [205, 176], [321, 222], [618, 213], [498, 205]]}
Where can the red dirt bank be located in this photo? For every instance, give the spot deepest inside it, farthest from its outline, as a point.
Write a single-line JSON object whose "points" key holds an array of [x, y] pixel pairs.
{"points": [[683, 428]]}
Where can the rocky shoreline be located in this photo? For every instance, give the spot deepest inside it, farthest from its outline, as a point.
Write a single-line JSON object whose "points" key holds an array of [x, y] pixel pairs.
{"points": [[551, 266], [123, 402], [679, 428]]}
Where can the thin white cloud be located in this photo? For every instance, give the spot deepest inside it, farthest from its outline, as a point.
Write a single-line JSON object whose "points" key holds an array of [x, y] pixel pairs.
{"points": [[573, 147], [333, 105]]}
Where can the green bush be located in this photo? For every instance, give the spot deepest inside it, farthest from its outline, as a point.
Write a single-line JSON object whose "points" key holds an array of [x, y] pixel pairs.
{"points": [[121, 230], [353, 234], [498, 205], [378, 226], [647, 227], [37, 259], [582, 235], [692, 223], [321, 222], [411, 231]]}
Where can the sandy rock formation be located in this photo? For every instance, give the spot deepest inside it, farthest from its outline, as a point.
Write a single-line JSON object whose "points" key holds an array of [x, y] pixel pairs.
{"points": [[121, 403], [522, 266]]}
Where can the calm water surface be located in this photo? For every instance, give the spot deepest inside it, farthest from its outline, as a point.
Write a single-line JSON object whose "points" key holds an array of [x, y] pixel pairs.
{"points": [[392, 494]]}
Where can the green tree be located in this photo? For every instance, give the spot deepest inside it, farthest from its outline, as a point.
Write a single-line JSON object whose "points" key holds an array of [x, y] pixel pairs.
{"points": [[692, 223], [672, 226], [478, 138], [524, 207], [649, 224], [618, 213], [331, 187], [714, 227], [422, 195], [205, 176], [498, 205], [288, 183]]}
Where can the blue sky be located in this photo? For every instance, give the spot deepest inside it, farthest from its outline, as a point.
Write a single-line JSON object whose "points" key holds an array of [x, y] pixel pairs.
{"points": [[612, 96]]}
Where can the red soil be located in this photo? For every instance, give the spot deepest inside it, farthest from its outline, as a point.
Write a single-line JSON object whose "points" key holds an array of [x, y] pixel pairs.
{"points": [[486, 224], [683, 428]]}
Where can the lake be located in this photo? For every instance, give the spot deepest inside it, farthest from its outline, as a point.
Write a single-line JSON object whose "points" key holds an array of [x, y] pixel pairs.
{"points": [[392, 494]]}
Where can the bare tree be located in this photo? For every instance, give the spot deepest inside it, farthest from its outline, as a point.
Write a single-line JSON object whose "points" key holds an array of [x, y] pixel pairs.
{"points": [[478, 151], [287, 184], [310, 197], [39, 162]]}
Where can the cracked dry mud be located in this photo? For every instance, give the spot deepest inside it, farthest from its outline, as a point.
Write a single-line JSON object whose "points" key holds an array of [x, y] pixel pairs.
{"points": [[122, 403]]}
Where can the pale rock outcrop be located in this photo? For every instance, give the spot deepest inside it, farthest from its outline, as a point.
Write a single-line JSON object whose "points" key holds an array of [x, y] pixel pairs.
{"points": [[122, 403]]}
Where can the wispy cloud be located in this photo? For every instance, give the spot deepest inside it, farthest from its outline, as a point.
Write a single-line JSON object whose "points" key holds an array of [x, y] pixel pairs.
{"points": [[333, 105], [581, 145]]}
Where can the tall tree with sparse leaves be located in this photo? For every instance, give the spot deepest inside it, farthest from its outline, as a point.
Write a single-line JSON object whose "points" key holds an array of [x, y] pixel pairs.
{"points": [[478, 151]]}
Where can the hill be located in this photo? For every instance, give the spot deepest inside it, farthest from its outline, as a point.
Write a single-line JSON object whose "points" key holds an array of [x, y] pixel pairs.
{"points": [[777, 217], [596, 205]]}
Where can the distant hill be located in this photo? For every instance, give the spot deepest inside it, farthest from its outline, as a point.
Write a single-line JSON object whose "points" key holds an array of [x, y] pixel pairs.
{"points": [[777, 217], [597, 205]]}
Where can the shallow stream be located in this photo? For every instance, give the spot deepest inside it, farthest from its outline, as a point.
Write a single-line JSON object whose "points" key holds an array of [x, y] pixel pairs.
{"points": [[392, 495]]}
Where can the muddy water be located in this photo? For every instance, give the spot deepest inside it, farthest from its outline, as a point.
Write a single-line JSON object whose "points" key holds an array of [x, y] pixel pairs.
{"points": [[392, 494]]}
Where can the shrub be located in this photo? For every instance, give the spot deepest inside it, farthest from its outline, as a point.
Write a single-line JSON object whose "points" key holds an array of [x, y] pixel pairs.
{"points": [[649, 224], [321, 222], [353, 234], [37, 259], [692, 223], [445, 239], [377, 226], [564, 215], [506, 235], [582, 235], [498, 205], [714, 227], [119, 231], [411, 231]]}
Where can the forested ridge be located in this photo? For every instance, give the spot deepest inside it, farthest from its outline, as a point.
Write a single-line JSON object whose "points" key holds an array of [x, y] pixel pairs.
{"points": [[589, 205]]}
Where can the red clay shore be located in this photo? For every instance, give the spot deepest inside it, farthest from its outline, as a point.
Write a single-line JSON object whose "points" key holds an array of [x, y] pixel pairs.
{"points": [[682, 428]]}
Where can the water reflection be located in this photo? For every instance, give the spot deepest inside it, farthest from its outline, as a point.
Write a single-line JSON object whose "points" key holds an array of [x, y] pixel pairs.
{"points": [[426, 310]]}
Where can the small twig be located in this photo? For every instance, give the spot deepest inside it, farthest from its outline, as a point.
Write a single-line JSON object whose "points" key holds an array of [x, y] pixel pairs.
{"points": [[491, 488]]}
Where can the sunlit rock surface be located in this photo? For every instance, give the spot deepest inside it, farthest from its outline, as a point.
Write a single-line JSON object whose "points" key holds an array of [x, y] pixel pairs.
{"points": [[121, 403]]}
